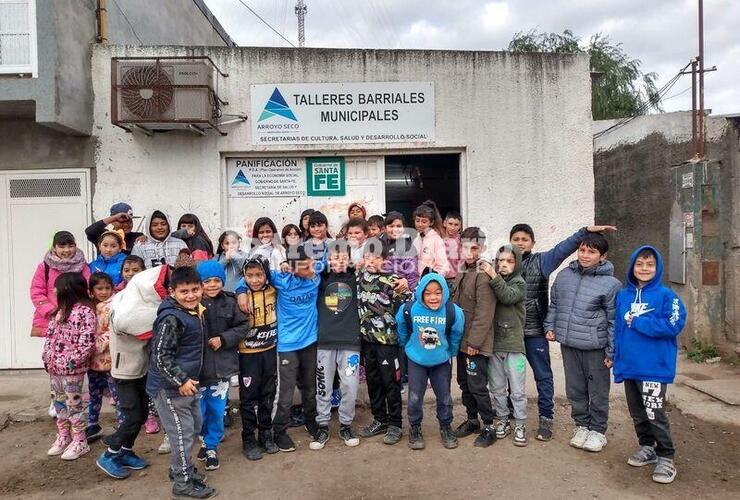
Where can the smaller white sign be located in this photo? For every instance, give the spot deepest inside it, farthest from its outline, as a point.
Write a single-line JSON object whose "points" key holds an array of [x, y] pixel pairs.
{"points": [[687, 180], [266, 177]]}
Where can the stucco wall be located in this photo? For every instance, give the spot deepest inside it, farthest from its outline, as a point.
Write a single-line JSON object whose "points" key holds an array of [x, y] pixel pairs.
{"points": [[522, 122]]}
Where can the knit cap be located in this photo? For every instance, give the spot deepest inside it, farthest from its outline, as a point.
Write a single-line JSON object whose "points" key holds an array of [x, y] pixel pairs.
{"points": [[211, 269]]}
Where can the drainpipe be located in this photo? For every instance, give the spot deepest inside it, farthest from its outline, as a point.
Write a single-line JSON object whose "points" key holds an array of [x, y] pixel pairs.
{"points": [[102, 22]]}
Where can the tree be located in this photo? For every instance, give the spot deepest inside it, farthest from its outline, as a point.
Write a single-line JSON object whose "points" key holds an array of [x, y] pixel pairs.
{"points": [[620, 89]]}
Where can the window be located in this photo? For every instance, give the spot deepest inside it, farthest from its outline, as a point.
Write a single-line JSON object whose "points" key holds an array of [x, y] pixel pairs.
{"points": [[18, 37]]}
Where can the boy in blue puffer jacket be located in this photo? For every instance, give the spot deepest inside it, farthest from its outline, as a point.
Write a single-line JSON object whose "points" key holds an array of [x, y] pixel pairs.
{"points": [[430, 330], [649, 317]]}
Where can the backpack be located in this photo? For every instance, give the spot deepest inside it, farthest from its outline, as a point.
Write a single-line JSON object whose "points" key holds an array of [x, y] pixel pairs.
{"points": [[449, 317]]}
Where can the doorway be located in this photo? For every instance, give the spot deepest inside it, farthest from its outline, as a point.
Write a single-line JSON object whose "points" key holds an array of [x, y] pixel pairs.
{"points": [[412, 179]]}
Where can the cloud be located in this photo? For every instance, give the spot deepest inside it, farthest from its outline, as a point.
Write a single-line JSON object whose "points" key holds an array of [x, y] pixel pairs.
{"points": [[661, 33]]}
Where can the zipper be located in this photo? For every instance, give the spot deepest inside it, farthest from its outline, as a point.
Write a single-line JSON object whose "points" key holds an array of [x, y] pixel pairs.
{"points": [[575, 296], [118, 359]]}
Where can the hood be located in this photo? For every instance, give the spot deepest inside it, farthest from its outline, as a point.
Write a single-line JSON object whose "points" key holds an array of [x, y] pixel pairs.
{"points": [[508, 248], [265, 267], [605, 268], [159, 214], [632, 281], [424, 281]]}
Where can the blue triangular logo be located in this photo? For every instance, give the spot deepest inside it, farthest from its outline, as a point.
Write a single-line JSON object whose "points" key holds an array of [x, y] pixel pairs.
{"points": [[276, 105], [240, 179]]}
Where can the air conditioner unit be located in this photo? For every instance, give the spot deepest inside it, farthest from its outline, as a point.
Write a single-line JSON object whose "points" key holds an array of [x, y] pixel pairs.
{"points": [[165, 94]]}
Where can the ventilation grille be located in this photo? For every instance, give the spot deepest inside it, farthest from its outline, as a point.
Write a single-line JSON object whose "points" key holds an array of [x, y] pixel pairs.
{"points": [[45, 188]]}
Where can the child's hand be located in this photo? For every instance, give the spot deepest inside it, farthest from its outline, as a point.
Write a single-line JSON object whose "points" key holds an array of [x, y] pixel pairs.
{"points": [[243, 303], [601, 229], [608, 362], [284, 267], [629, 319], [214, 343], [550, 335], [487, 268], [189, 388], [141, 239], [401, 285], [472, 351]]}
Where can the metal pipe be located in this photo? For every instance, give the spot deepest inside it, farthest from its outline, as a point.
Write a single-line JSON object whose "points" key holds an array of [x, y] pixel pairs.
{"points": [[102, 19], [694, 141], [701, 80]]}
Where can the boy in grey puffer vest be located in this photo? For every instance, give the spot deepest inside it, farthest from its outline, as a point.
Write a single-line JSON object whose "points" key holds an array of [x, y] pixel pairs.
{"points": [[581, 319]]}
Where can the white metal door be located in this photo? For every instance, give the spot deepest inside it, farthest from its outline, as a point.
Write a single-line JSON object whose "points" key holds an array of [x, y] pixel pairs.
{"points": [[34, 206]]}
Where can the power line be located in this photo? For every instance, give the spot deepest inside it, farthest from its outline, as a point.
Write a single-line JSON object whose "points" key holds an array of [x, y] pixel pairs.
{"points": [[250, 9], [678, 94], [129, 22]]}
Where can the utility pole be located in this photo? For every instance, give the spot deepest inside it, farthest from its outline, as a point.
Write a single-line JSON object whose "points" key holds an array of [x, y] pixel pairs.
{"points": [[300, 11], [700, 125]]}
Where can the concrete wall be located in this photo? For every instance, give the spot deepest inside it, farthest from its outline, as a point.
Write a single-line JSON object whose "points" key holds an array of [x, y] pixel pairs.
{"points": [[521, 121], [635, 169]]}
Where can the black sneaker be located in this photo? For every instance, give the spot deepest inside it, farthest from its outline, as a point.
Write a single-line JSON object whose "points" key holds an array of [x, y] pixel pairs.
{"points": [[197, 476], [251, 450], [486, 437], [467, 428], [449, 440], [544, 432], [416, 439], [212, 460], [297, 418], [283, 442], [375, 428], [348, 435], [93, 433], [202, 454], [320, 439], [193, 489], [228, 419], [267, 443], [392, 435]]}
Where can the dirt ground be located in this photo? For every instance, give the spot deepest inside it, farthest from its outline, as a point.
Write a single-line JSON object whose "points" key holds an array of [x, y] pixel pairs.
{"points": [[708, 460]]}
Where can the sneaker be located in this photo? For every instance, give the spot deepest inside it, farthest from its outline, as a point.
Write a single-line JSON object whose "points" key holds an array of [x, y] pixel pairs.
{"points": [[297, 418], [267, 443], [228, 419], [197, 476], [250, 449], [165, 447], [467, 428], [320, 439], [130, 460], [520, 435], [486, 437], [93, 432], [665, 472], [75, 450], [595, 442], [348, 435], [60, 444], [544, 432], [193, 489], [374, 428], [151, 426], [503, 429], [336, 398], [212, 460], [416, 439], [284, 443], [202, 454], [393, 435], [644, 456], [449, 440], [110, 463], [579, 437]]}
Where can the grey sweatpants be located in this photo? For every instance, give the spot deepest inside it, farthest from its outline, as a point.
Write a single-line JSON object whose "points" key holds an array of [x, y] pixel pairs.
{"points": [[508, 370], [587, 385], [347, 364], [181, 419]]}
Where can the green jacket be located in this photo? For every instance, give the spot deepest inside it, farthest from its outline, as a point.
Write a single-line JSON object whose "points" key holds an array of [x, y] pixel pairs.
{"points": [[510, 314]]}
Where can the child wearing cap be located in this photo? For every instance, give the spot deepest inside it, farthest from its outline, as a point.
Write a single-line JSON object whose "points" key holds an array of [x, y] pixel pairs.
{"points": [[121, 219], [226, 328]]}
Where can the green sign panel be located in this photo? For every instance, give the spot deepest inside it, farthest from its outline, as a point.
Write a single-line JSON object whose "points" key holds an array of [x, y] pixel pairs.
{"points": [[325, 176]]}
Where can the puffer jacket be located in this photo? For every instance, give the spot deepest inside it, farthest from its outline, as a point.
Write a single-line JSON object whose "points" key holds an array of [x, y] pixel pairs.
{"points": [[582, 304], [223, 319], [110, 266]]}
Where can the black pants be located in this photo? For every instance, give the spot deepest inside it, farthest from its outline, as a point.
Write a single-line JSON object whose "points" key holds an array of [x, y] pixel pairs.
{"points": [[296, 368], [133, 404], [646, 402], [383, 374], [587, 384], [472, 377], [257, 387]]}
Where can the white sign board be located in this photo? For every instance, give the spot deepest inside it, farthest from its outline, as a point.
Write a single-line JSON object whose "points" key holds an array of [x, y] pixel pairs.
{"points": [[342, 113], [266, 177]]}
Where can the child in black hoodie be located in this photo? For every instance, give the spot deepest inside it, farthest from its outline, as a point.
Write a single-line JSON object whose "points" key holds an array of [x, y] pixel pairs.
{"points": [[338, 345]]}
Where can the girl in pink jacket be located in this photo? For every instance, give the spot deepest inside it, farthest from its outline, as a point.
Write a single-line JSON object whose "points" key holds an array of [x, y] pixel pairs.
{"points": [[70, 342], [63, 257], [430, 247]]}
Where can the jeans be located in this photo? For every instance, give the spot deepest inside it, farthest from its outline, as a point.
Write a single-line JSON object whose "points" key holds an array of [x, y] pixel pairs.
{"points": [[439, 376], [538, 355]]}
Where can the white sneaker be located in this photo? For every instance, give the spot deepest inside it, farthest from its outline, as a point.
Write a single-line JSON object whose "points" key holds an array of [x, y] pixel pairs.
{"points": [[75, 450], [165, 447], [579, 437], [595, 442], [61, 443]]}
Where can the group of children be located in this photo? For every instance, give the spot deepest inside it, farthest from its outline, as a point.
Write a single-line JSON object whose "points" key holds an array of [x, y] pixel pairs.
{"points": [[164, 318]]}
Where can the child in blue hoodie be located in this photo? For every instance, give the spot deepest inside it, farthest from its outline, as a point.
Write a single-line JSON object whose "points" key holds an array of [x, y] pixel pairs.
{"points": [[110, 256], [430, 330], [649, 317]]}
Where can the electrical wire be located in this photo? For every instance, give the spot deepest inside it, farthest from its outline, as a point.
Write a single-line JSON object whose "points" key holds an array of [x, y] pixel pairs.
{"points": [[677, 94], [250, 9], [127, 21]]}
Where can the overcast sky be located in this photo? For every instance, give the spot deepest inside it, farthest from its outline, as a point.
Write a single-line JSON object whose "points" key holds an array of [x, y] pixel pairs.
{"points": [[661, 33]]}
